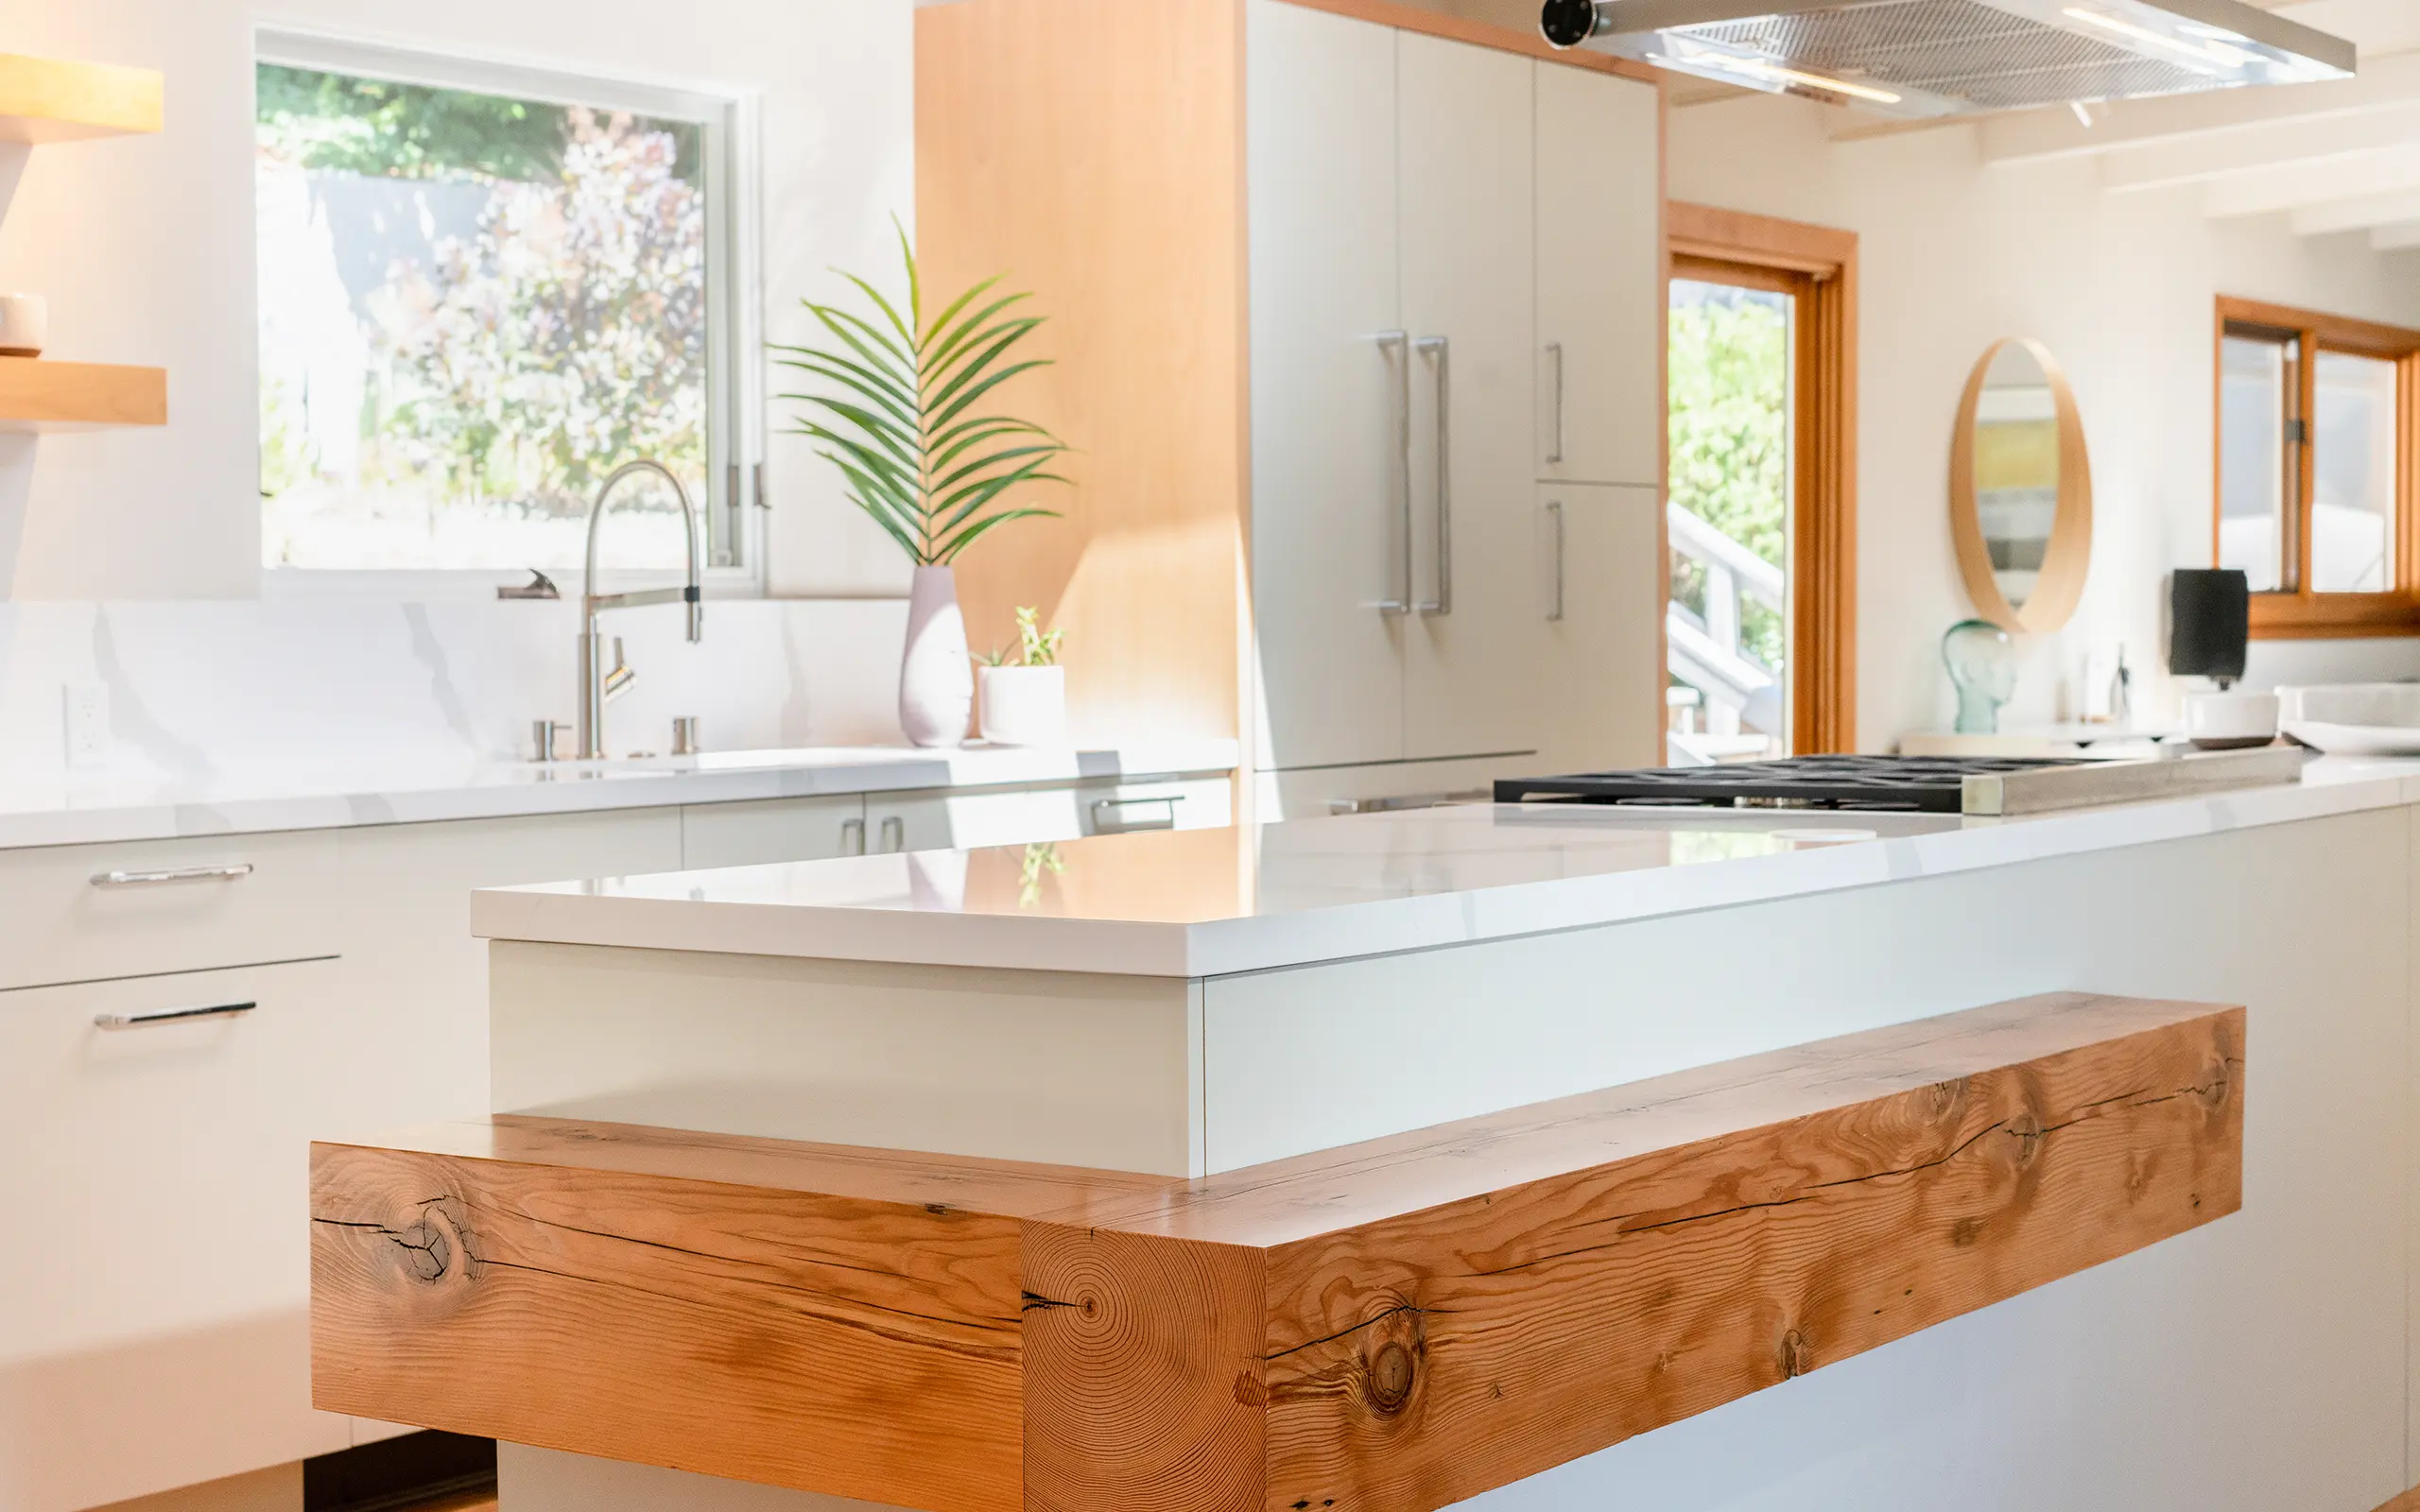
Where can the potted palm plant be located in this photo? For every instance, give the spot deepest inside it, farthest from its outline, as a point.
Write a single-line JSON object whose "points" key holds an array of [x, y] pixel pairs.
{"points": [[908, 417]]}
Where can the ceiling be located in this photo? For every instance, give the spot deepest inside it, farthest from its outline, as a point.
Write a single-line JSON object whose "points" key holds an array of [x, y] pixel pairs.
{"points": [[2337, 159]]}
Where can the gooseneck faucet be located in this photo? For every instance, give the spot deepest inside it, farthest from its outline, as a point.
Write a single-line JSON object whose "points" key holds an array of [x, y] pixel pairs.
{"points": [[598, 685]]}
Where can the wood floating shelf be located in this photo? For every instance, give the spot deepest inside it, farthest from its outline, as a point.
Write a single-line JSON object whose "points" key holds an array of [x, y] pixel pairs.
{"points": [[37, 394], [44, 100], [1386, 1327]]}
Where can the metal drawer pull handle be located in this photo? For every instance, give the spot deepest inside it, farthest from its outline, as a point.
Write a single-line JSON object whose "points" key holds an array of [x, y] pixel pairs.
{"points": [[894, 834], [158, 878], [1554, 350], [1442, 349], [1109, 815], [145, 1021], [1394, 346], [852, 837], [1554, 511]]}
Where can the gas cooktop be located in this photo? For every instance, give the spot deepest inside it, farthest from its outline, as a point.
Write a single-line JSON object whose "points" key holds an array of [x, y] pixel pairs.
{"points": [[1916, 785]]}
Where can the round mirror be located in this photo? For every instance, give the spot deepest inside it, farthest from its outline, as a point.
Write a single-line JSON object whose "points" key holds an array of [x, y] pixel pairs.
{"points": [[2020, 489]]}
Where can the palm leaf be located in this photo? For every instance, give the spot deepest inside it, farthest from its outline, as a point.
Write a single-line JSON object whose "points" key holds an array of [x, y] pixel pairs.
{"points": [[940, 343], [941, 321], [995, 381], [900, 409], [894, 411], [973, 358], [945, 485], [966, 538]]}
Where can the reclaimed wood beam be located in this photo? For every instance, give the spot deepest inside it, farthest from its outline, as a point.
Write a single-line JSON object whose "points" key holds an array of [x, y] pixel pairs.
{"points": [[1386, 1327]]}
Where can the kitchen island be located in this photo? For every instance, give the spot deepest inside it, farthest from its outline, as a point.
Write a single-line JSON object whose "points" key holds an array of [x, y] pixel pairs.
{"points": [[1182, 1007]]}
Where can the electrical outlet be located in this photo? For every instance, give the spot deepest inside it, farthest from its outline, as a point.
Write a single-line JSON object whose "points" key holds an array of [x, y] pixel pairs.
{"points": [[85, 721]]}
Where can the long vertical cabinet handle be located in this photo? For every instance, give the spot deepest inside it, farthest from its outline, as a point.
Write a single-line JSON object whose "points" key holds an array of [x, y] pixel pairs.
{"points": [[1554, 352], [1554, 512], [1395, 346], [1444, 350]]}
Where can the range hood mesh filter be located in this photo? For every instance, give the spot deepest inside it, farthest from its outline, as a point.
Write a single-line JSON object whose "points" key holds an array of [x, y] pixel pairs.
{"points": [[1958, 48]]}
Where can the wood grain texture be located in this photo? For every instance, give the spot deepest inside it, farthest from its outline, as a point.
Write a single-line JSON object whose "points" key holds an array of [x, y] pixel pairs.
{"points": [[1143, 1372], [865, 1349], [1385, 1327], [2295, 612], [1506, 25], [1033, 117], [38, 394], [45, 99]]}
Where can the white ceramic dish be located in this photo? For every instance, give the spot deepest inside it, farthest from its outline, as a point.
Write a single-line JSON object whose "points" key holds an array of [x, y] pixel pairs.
{"points": [[2354, 719], [2355, 740]]}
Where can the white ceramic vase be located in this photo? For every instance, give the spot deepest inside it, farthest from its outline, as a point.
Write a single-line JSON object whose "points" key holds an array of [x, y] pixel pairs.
{"points": [[936, 677], [1025, 706]]}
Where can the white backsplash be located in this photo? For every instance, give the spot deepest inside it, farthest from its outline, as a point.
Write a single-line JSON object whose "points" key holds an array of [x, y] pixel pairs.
{"points": [[205, 690]]}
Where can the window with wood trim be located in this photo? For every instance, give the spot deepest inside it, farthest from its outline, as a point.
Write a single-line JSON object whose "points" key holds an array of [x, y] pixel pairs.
{"points": [[2317, 434]]}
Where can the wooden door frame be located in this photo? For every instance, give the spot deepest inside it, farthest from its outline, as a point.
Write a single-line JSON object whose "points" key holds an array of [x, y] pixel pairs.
{"points": [[1818, 265]]}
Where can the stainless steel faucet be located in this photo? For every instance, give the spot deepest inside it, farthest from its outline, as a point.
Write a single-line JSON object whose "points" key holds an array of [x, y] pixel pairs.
{"points": [[599, 686]]}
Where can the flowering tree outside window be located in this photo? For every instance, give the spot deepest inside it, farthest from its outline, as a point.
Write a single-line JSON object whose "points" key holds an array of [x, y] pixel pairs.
{"points": [[472, 309]]}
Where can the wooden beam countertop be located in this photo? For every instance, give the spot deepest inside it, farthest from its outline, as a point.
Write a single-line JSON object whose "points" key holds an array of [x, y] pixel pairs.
{"points": [[1385, 1327]]}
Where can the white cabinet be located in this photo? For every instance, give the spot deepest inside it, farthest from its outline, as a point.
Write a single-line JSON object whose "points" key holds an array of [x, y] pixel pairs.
{"points": [[1419, 209], [1331, 376], [1604, 587], [155, 1277], [1601, 306], [782, 829], [86, 912], [1463, 114], [937, 821]]}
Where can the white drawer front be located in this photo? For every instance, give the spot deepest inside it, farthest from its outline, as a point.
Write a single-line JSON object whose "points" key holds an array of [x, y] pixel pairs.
{"points": [[1196, 803], [155, 1281], [86, 913]]}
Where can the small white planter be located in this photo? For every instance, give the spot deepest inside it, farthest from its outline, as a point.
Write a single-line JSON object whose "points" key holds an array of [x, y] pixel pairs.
{"points": [[1025, 706]]}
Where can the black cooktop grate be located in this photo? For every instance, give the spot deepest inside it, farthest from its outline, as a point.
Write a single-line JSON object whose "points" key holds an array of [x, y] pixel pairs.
{"points": [[1923, 785]]}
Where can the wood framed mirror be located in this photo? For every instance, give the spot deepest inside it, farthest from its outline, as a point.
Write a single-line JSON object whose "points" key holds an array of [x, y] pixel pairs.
{"points": [[2020, 489]]}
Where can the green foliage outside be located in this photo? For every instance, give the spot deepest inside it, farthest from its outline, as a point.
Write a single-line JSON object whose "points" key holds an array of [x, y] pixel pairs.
{"points": [[1730, 442], [371, 126], [515, 366]]}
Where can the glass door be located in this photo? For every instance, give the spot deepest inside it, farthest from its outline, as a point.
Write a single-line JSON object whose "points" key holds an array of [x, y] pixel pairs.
{"points": [[1732, 376]]}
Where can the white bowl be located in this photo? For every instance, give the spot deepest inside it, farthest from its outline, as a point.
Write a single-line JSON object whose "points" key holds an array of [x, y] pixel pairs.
{"points": [[2223, 721]]}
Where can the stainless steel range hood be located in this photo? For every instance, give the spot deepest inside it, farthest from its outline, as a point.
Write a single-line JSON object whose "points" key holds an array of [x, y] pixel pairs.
{"points": [[1920, 57]]}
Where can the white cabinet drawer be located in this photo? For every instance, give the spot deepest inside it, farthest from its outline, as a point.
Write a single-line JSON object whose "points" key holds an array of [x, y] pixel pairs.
{"points": [[940, 821], [782, 829], [155, 1281], [1187, 803], [85, 913]]}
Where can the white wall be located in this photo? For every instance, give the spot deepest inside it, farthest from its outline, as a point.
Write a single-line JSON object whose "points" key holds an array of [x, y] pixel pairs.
{"points": [[1955, 253], [144, 248]]}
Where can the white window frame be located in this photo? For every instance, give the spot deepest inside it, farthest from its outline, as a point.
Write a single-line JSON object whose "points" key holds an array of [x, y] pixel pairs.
{"points": [[731, 155]]}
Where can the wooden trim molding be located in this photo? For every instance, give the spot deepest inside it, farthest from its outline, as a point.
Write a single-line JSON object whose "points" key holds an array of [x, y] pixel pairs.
{"points": [[2298, 614], [1386, 1327], [1819, 266], [2070, 556], [1422, 19]]}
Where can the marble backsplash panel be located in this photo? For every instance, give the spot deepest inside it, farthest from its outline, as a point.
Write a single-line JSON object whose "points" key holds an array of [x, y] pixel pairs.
{"points": [[204, 690]]}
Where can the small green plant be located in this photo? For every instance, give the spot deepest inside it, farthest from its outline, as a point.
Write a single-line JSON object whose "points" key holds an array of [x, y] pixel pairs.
{"points": [[1039, 648], [1036, 646], [923, 461], [1038, 860]]}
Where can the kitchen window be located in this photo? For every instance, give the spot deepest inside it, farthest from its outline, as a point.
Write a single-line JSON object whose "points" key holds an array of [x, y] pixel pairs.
{"points": [[482, 289], [2317, 442]]}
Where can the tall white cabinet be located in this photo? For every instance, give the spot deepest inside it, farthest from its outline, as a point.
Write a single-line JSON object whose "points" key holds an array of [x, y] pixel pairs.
{"points": [[1453, 279]]}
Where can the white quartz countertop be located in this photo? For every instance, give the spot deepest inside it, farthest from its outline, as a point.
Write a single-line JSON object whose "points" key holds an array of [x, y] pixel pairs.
{"points": [[338, 793], [1210, 903]]}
